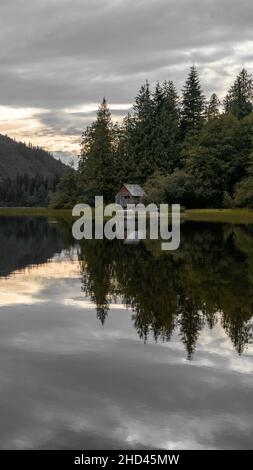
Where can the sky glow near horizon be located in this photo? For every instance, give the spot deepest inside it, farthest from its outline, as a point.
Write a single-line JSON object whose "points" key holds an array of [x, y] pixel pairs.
{"points": [[60, 57]]}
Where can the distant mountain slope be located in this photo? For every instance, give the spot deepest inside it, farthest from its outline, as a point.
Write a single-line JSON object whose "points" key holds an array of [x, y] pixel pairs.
{"points": [[16, 158]]}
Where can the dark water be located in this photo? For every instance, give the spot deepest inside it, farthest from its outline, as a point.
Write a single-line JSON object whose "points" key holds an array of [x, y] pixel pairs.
{"points": [[108, 345]]}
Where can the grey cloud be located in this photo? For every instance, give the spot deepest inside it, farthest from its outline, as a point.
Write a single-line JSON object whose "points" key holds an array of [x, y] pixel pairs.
{"points": [[101, 375], [91, 379], [59, 53]]}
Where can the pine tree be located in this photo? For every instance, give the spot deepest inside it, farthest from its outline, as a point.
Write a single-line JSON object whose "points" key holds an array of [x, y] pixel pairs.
{"points": [[166, 127], [158, 98], [239, 99], [213, 107], [140, 137], [143, 106], [124, 154], [97, 156], [193, 103]]}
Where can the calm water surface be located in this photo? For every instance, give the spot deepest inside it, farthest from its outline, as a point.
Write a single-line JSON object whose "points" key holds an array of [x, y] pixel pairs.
{"points": [[109, 345]]}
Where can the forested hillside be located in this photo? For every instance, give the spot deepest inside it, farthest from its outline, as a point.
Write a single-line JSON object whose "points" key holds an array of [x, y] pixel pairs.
{"points": [[27, 174]]}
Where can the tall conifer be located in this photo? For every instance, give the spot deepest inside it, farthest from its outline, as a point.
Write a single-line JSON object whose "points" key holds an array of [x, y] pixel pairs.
{"points": [[193, 103]]}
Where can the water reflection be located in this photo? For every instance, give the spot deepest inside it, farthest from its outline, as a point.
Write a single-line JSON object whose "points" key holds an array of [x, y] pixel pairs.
{"points": [[208, 280], [69, 380], [27, 241]]}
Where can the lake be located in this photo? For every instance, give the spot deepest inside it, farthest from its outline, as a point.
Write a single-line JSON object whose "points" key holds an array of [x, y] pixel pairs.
{"points": [[108, 345]]}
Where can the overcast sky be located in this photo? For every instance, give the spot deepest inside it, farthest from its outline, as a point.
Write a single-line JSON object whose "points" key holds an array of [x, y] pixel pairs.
{"points": [[60, 57]]}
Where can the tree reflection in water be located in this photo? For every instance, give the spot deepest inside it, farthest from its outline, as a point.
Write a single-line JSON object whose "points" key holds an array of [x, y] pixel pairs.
{"points": [[208, 280]]}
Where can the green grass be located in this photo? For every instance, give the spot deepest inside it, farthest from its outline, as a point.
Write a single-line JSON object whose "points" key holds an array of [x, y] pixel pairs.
{"points": [[236, 216], [34, 212]]}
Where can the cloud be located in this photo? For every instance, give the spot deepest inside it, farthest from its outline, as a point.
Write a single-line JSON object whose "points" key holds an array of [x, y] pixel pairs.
{"points": [[68, 382], [61, 54]]}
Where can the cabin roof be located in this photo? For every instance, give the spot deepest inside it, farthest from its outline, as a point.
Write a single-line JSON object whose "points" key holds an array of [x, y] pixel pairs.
{"points": [[135, 190]]}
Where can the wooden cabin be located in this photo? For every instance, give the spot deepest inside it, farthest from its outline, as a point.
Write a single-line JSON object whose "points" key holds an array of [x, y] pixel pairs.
{"points": [[129, 194]]}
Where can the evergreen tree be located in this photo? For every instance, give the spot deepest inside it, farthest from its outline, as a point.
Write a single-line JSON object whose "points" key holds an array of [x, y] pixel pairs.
{"points": [[124, 153], [140, 136], [193, 103], [166, 128], [213, 107], [143, 106], [97, 156], [158, 98], [239, 100]]}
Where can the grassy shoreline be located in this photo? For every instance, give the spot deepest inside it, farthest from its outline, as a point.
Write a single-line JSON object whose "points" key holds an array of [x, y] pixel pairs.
{"points": [[239, 216], [235, 216], [35, 212]]}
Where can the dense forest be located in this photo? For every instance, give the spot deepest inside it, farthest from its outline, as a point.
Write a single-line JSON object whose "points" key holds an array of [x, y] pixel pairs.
{"points": [[28, 174], [27, 191], [183, 149]]}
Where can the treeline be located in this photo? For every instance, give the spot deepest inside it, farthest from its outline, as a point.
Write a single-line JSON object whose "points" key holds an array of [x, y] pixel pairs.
{"points": [[187, 149], [25, 190]]}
